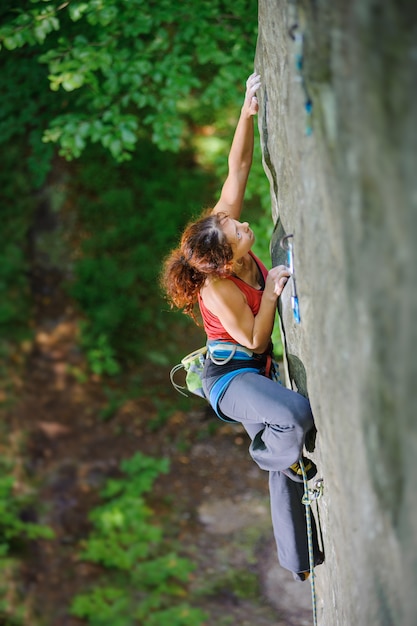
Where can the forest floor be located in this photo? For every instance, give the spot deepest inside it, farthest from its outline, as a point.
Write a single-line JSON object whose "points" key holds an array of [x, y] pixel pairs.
{"points": [[214, 499]]}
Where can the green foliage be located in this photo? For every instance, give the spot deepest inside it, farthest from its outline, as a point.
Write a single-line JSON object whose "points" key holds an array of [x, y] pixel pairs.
{"points": [[128, 66], [15, 534], [100, 354], [128, 217], [12, 527], [16, 214], [146, 581], [26, 108], [128, 76]]}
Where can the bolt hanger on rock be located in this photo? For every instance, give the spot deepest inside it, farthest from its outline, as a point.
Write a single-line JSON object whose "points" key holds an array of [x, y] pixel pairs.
{"points": [[286, 244]]}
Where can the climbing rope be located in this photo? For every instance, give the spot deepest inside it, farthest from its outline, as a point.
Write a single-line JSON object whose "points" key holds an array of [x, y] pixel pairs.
{"points": [[310, 495]]}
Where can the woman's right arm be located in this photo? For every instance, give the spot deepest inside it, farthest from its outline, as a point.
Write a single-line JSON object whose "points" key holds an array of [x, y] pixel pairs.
{"points": [[240, 155], [225, 300]]}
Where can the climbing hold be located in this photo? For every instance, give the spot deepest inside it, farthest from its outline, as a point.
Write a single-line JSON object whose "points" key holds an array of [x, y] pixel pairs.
{"points": [[298, 39], [291, 31]]}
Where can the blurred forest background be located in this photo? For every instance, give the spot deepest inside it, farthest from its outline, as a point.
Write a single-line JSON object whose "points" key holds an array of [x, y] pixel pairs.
{"points": [[115, 121]]}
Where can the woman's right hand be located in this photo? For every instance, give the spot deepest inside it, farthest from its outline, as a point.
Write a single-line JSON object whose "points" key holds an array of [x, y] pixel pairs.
{"points": [[250, 105], [276, 280]]}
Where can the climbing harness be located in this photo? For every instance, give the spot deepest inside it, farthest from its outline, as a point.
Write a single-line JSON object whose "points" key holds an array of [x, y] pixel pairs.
{"points": [[311, 495], [220, 352], [287, 245]]}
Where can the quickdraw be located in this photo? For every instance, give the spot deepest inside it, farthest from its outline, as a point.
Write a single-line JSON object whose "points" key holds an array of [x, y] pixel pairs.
{"points": [[287, 245]]}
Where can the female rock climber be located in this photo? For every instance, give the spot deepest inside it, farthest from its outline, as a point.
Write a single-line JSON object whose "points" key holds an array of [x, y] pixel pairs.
{"points": [[237, 296]]}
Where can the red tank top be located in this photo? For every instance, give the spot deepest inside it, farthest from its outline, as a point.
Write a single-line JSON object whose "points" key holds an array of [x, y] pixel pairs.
{"points": [[212, 324]]}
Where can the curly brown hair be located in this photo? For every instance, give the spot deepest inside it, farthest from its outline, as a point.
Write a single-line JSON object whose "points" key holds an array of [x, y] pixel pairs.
{"points": [[203, 251]]}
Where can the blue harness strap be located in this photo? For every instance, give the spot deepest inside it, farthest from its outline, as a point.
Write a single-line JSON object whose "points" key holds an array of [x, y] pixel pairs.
{"points": [[220, 387], [222, 351]]}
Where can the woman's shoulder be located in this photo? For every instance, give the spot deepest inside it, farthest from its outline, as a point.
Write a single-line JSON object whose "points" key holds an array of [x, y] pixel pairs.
{"points": [[219, 290], [219, 285]]}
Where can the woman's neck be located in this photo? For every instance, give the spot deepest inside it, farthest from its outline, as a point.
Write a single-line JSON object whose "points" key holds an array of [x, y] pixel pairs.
{"points": [[242, 264], [247, 270]]}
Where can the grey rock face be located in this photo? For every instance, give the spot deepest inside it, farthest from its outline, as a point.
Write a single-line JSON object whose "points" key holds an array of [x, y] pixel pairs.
{"points": [[347, 192]]}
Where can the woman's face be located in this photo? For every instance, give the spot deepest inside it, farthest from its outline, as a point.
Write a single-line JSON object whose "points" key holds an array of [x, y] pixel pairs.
{"points": [[239, 235]]}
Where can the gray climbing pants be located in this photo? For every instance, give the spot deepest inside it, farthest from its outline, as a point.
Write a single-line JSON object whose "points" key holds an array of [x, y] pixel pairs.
{"points": [[282, 417]]}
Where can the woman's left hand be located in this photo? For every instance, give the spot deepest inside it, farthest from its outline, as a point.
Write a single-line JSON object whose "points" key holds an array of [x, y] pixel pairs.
{"points": [[280, 275], [251, 101]]}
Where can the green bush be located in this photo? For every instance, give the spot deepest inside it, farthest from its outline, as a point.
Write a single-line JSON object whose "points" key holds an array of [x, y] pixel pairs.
{"points": [[13, 529], [114, 69], [15, 533], [144, 581]]}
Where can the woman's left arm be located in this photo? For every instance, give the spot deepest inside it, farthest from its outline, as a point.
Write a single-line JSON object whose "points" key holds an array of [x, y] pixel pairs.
{"points": [[240, 155]]}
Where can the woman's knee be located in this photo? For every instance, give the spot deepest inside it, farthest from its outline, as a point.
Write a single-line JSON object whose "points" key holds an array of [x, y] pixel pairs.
{"points": [[304, 414]]}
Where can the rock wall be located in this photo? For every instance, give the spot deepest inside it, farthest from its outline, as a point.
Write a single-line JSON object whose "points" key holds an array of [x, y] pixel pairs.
{"points": [[347, 192]]}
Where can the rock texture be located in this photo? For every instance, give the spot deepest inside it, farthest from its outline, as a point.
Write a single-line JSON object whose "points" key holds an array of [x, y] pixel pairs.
{"points": [[347, 192]]}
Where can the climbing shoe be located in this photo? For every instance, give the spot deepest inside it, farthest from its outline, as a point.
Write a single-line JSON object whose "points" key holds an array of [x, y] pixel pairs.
{"points": [[301, 576], [310, 439], [295, 473]]}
